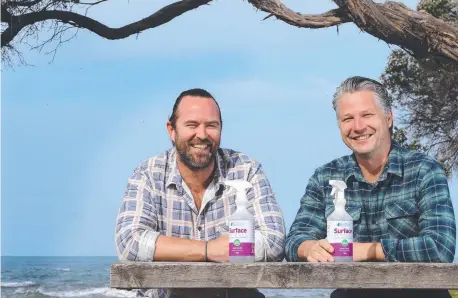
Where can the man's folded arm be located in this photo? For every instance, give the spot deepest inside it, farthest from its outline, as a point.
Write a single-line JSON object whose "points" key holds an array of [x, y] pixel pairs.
{"points": [[437, 239], [270, 229], [137, 237], [310, 222], [136, 224]]}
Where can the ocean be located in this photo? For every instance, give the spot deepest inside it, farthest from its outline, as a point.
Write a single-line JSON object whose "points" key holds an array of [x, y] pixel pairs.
{"points": [[40, 277]]}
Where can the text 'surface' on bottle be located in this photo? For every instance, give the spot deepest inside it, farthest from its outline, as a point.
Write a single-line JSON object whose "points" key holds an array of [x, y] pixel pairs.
{"points": [[340, 236], [241, 238]]}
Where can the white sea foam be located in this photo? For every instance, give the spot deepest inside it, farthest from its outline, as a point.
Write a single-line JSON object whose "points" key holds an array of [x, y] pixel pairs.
{"points": [[27, 291], [121, 293], [107, 292], [63, 269], [17, 284]]}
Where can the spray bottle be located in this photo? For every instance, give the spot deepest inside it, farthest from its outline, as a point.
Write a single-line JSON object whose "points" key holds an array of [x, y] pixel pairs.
{"points": [[241, 226], [340, 225]]}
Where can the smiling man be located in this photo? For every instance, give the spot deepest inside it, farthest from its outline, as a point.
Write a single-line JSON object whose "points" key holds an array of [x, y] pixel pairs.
{"points": [[176, 205], [398, 198]]}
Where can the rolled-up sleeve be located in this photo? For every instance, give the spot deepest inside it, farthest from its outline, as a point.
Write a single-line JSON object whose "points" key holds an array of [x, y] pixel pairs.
{"points": [[136, 224], [310, 222], [437, 238], [270, 232]]}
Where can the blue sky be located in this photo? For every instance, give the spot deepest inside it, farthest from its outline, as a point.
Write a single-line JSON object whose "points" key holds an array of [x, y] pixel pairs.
{"points": [[73, 130]]}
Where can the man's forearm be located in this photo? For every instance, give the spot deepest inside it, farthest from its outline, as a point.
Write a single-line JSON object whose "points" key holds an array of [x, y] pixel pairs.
{"points": [[179, 249], [420, 249]]}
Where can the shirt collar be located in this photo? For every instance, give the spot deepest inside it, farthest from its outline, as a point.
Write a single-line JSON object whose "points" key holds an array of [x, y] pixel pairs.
{"points": [[393, 166], [353, 169], [395, 159], [174, 176]]}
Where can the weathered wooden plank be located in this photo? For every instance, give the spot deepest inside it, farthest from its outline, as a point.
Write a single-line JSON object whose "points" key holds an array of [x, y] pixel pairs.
{"points": [[130, 275]]}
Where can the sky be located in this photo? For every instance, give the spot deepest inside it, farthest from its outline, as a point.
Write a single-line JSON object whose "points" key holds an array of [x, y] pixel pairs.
{"points": [[73, 130]]}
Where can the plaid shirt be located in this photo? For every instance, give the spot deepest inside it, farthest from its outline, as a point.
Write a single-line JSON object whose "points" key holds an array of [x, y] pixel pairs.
{"points": [[158, 202], [408, 209]]}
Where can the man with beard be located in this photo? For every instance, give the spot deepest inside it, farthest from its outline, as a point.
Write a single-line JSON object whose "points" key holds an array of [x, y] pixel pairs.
{"points": [[398, 198], [176, 204]]}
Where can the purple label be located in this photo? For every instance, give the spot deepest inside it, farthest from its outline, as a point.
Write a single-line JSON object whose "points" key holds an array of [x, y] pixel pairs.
{"points": [[342, 251], [241, 250]]}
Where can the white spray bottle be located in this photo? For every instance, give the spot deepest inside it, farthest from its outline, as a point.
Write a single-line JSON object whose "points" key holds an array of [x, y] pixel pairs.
{"points": [[241, 226], [340, 225]]}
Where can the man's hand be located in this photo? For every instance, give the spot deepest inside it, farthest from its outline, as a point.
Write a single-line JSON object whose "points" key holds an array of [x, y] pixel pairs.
{"points": [[367, 252], [218, 249], [317, 251]]}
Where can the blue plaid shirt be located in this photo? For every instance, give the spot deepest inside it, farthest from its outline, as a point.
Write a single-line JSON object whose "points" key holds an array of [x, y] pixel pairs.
{"points": [[408, 210], [158, 202]]}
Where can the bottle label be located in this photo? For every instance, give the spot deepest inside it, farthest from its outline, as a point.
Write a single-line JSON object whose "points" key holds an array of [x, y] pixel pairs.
{"points": [[340, 236], [241, 238]]}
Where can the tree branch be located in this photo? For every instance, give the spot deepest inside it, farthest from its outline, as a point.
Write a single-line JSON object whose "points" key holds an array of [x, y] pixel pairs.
{"points": [[160, 17], [276, 8], [92, 4], [419, 33]]}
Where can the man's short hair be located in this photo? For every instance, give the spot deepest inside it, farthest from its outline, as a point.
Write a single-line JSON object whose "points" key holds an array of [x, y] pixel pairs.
{"points": [[357, 83], [197, 92]]}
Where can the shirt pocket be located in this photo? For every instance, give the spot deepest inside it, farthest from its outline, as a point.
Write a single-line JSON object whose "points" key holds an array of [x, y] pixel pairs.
{"points": [[402, 218]]}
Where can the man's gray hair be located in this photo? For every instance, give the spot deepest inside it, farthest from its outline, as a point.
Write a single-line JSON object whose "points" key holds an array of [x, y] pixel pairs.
{"points": [[355, 84]]}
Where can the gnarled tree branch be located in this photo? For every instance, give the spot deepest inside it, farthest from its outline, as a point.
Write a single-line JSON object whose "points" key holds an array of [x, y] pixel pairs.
{"points": [[281, 12], [419, 33], [160, 17]]}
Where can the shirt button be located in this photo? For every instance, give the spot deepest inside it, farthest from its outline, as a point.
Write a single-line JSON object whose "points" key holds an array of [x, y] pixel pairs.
{"points": [[374, 222], [199, 229]]}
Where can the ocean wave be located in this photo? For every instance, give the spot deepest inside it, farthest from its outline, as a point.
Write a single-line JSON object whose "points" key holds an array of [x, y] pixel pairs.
{"points": [[79, 293], [108, 292], [63, 269], [18, 284]]}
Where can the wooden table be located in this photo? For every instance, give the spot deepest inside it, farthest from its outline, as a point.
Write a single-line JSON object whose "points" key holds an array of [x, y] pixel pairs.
{"points": [[134, 275]]}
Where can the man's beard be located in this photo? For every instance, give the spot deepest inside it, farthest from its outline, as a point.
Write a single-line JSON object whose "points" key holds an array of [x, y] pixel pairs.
{"points": [[194, 160]]}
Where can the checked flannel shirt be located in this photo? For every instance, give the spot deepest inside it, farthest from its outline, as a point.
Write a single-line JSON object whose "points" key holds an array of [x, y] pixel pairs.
{"points": [[158, 202], [408, 210]]}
